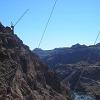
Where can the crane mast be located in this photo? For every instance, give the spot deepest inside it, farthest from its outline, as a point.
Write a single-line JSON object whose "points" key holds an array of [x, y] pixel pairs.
{"points": [[13, 25]]}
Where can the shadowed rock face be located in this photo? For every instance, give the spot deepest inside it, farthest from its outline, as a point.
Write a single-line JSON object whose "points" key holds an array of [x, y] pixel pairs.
{"points": [[22, 74]]}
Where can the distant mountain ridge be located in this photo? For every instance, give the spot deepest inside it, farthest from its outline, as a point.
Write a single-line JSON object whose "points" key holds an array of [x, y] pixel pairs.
{"points": [[70, 55]]}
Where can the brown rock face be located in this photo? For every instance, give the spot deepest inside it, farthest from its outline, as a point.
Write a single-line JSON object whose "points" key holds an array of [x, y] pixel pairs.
{"points": [[21, 72]]}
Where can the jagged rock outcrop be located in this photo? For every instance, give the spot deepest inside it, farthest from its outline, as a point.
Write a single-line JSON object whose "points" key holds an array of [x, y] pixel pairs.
{"points": [[22, 74]]}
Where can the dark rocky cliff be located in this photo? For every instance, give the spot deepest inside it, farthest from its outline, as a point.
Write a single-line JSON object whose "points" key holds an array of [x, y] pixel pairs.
{"points": [[22, 74]]}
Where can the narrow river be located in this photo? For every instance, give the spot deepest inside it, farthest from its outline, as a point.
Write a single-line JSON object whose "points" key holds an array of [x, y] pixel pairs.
{"points": [[80, 96]]}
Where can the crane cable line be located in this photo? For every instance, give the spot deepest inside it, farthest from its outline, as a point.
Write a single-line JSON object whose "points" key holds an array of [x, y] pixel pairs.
{"points": [[48, 21], [13, 25], [96, 38], [21, 17]]}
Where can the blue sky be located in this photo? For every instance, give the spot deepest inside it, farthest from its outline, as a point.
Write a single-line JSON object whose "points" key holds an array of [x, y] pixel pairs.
{"points": [[73, 21]]}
